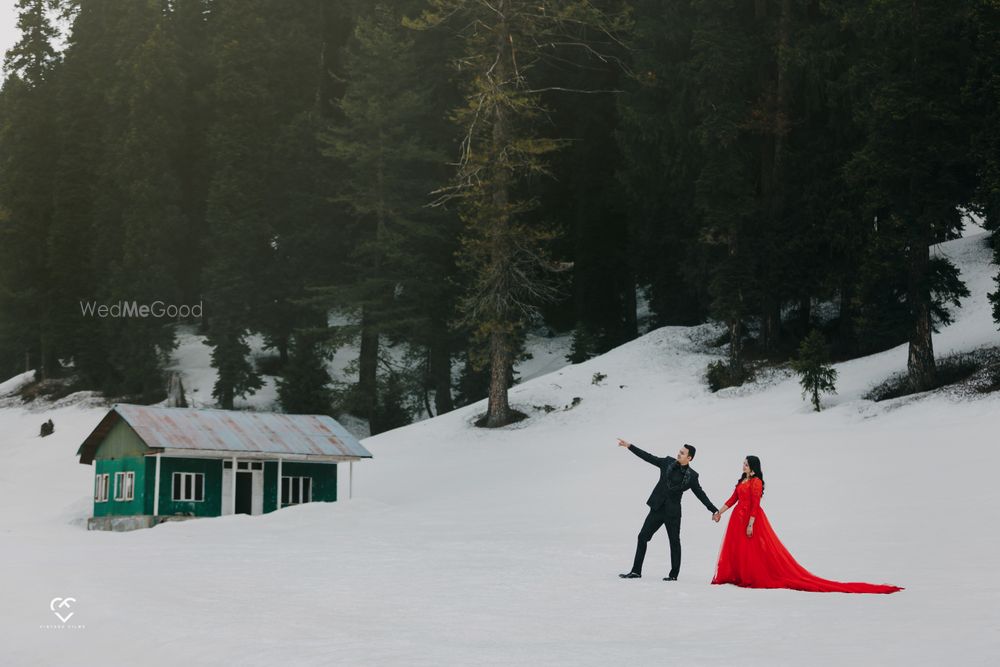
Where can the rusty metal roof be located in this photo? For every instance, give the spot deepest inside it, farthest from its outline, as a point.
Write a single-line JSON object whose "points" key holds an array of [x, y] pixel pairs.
{"points": [[234, 431]]}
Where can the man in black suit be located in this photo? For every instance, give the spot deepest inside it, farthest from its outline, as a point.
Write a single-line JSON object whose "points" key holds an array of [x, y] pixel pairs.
{"points": [[676, 477]]}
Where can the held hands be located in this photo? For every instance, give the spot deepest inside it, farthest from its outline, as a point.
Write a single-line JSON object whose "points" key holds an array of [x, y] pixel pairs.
{"points": [[716, 516]]}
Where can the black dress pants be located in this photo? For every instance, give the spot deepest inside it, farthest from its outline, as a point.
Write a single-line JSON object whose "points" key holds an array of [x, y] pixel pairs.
{"points": [[654, 520]]}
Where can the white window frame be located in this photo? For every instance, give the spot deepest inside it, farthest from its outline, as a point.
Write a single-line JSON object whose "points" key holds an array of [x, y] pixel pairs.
{"points": [[101, 488], [297, 481], [194, 477], [243, 466], [124, 486]]}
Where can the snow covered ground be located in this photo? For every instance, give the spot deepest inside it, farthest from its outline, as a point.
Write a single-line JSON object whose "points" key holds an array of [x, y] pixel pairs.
{"points": [[463, 546]]}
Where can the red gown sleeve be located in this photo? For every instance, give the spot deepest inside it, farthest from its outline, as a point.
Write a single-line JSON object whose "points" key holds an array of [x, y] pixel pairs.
{"points": [[733, 499], [753, 498]]}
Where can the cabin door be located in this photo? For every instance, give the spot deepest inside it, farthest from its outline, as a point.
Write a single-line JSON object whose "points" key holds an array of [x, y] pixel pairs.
{"points": [[244, 492], [249, 496]]}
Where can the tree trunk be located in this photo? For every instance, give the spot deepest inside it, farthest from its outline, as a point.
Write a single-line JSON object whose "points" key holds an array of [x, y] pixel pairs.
{"points": [[736, 350], [368, 368], [630, 306], [427, 403], [283, 350], [441, 372], [805, 313], [736, 323], [226, 400], [770, 329], [498, 412], [44, 362], [920, 364], [771, 166], [845, 325]]}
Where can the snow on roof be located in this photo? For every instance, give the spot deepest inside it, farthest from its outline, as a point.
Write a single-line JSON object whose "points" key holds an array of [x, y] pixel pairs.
{"points": [[228, 430]]}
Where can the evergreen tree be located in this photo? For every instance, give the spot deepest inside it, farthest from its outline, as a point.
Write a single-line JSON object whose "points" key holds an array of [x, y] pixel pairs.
{"points": [[145, 168], [586, 201], [86, 234], [501, 152], [914, 166], [661, 156], [392, 410], [29, 151], [33, 56], [982, 95], [384, 135], [815, 374], [263, 50], [304, 385], [189, 26], [297, 207], [239, 243], [724, 78], [830, 234]]}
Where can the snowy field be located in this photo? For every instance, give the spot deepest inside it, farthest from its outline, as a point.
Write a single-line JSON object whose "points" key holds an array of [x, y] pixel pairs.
{"points": [[470, 547]]}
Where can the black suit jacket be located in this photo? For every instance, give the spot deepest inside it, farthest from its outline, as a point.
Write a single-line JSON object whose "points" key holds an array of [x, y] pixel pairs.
{"points": [[669, 499]]}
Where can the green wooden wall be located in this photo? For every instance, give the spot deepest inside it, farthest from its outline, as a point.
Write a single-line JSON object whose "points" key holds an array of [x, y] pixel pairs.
{"points": [[211, 468], [121, 441], [324, 478], [112, 507]]}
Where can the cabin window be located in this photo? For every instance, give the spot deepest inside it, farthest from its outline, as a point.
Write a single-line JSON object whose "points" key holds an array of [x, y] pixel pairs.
{"points": [[296, 490], [124, 486], [189, 486], [244, 465], [101, 488]]}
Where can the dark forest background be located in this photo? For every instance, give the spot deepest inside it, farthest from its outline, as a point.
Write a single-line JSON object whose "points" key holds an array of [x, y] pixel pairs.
{"points": [[443, 174]]}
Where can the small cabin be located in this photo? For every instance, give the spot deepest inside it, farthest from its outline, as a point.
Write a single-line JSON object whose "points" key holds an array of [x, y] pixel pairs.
{"points": [[155, 464]]}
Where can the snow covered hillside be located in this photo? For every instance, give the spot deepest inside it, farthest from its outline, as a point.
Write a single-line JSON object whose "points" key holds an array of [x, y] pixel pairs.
{"points": [[464, 546]]}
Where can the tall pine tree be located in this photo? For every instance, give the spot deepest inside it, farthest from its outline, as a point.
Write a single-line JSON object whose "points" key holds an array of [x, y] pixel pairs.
{"points": [[502, 152], [915, 166], [29, 150]]}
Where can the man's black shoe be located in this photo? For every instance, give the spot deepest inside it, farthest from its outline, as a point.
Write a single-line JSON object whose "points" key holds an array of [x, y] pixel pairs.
{"points": [[630, 575], [670, 578]]}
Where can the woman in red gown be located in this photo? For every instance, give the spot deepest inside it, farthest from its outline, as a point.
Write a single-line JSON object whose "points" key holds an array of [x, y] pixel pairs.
{"points": [[752, 556]]}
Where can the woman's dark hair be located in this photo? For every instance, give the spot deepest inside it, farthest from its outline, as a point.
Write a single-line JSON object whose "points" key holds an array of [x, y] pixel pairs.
{"points": [[754, 464]]}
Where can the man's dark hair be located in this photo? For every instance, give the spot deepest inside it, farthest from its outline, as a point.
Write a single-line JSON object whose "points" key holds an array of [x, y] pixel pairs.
{"points": [[691, 450]]}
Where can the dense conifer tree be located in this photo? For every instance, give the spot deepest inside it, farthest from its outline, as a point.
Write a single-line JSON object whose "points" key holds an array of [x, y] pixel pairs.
{"points": [[29, 151], [502, 151], [914, 166]]}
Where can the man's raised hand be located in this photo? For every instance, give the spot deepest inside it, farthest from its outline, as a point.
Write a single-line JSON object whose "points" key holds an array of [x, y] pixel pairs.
{"points": [[622, 443]]}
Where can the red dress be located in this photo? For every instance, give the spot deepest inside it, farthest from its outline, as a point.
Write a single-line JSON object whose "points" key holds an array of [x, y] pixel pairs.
{"points": [[761, 561]]}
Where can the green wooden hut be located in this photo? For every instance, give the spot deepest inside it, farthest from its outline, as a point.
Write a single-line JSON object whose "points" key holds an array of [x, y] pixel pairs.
{"points": [[154, 464]]}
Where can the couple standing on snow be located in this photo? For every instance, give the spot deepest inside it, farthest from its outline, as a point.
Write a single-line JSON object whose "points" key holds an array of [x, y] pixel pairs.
{"points": [[752, 556]]}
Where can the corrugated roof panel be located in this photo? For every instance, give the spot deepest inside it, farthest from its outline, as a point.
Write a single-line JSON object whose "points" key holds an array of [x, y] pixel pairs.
{"points": [[238, 431]]}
